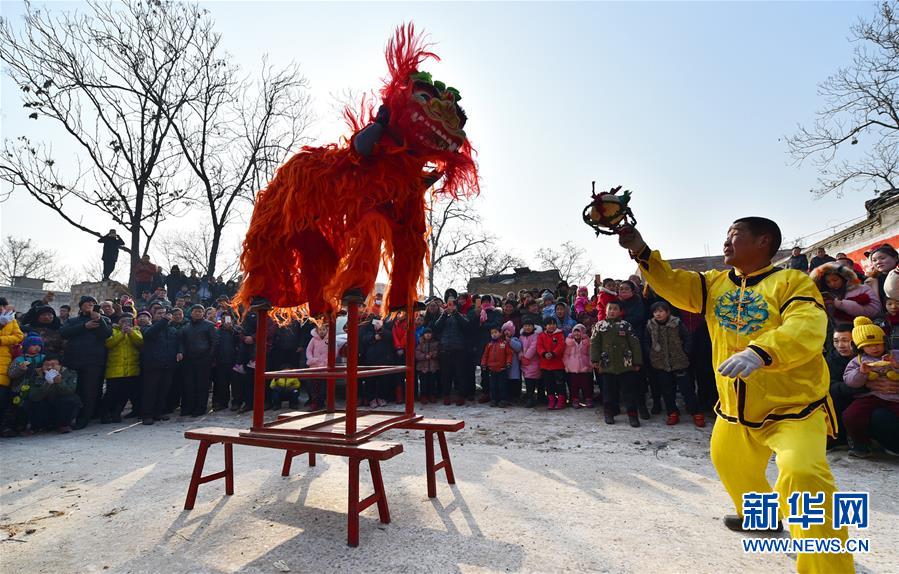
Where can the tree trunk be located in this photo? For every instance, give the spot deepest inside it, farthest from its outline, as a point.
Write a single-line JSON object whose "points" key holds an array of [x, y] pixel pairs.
{"points": [[213, 251]]}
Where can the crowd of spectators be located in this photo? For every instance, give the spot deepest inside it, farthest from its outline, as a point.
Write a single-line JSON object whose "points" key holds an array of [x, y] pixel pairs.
{"points": [[179, 348]]}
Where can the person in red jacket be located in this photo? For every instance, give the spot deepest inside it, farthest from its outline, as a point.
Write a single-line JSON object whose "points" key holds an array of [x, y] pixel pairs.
{"points": [[495, 362], [551, 349], [607, 294]]}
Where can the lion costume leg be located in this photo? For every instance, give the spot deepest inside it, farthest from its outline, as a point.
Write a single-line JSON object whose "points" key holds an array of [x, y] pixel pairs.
{"points": [[408, 246]]}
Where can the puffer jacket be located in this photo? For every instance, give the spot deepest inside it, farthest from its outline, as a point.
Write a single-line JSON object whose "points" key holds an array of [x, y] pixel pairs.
{"points": [[123, 359], [669, 345], [10, 336], [551, 343], [423, 363], [451, 329], [317, 351], [577, 355], [855, 299], [85, 347], [49, 333], [530, 361], [160, 345], [515, 368]]}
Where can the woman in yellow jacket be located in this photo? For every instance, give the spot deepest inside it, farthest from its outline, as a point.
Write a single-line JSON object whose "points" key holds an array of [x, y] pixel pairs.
{"points": [[10, 336], [768, 327], [122, 368]]}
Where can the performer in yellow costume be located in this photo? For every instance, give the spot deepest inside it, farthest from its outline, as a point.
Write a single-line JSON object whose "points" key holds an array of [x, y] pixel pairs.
{"points": [[767, 327]]}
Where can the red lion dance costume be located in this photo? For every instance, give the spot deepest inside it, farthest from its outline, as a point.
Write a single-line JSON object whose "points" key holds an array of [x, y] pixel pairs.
{"points": [[318, 227]]}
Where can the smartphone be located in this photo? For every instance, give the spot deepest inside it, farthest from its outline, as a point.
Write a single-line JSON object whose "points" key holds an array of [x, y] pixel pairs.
{"points": [[227, 319], [96, 308]]}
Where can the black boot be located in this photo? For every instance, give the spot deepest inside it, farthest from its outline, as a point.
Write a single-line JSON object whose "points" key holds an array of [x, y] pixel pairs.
{"points": [[633, 420], [644, 414], [610, 419], [735, 523]]}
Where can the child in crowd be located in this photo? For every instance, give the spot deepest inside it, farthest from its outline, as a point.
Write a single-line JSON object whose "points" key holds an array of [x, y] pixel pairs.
{"points": [[122, 368], [427, 365], [891, 320], [566, 323], [550, 349], [52, 401], [530, 362], [495, 362], [607, 293], [549, 305], [317, 356], [285, 389], [669, 352], [578, 367], [871, 364], [581, 301], [31, 358], [615, 353], [513, 383]]}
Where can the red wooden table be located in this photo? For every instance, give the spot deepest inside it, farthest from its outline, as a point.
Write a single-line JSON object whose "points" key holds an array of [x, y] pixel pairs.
{"points": [[349, 432]]}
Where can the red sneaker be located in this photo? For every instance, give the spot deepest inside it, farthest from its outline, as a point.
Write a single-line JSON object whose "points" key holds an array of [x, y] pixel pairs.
{"points": [[699, 420], [446, 401], [673, 419], [551, 404]]}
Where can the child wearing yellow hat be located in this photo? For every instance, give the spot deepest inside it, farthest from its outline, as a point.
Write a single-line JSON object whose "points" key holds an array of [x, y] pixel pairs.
{"points": [[871, 364]]}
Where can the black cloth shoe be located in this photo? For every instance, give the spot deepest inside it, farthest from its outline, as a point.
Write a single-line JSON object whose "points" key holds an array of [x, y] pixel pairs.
{"points": [[610, 419], [644, 414], [131, 415], [148, 421], [633, 420], [80, 424], [735, 523]]}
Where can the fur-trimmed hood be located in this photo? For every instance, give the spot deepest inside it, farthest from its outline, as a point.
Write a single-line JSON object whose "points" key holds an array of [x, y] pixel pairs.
{"points": [[848, 274]]}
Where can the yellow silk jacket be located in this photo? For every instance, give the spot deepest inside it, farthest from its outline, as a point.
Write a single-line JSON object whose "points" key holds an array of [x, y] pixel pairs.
{"points": [[779, 314]]}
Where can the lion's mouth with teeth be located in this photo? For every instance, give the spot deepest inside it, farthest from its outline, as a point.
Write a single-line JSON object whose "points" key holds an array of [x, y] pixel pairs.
{"points": [[435, 135]]}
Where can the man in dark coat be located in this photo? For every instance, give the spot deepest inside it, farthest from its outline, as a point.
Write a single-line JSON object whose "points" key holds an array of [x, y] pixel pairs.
{"points": [[85, 352], [196, 348], [376, 348], [111, 245], [47, 325], [451, 328], [157, 359]]}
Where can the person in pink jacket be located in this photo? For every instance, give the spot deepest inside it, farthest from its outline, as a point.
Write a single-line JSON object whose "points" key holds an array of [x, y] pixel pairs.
{"points": [[579, 368], [317, 356], [530, 363]]}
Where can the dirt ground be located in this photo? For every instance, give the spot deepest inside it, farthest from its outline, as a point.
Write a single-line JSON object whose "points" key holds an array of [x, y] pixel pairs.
{"points": [[537, 491]]}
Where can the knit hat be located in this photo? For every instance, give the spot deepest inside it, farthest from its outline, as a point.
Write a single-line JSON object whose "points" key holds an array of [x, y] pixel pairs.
{"points": [[86, 299], [197, 306], [508, 326], [426, 330], [147, 313], [579, 327], [866, 333], [31, 340]]}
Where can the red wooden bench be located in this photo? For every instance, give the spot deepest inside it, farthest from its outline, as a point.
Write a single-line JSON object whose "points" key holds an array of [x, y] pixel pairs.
{"points": [[431, 427], [373, 451]]}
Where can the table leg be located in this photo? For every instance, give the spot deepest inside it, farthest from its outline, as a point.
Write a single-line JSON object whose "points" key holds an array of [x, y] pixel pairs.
{"points": [[429, 464], [229, 468], [378, 483], [288, 459], [352, 530], [195, 477], [311, 458], [444, 452]]}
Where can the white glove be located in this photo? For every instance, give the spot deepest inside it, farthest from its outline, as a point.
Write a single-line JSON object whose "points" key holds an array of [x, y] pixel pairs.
{"points": [[7, 317], [630, 239], [741, 364], [51, 375]]}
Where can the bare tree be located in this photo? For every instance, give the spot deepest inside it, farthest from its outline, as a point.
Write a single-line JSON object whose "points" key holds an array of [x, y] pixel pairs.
{"points": [[861, 106], [21, 258], [112, 79], [485, 260], [455, 229], [235, 133], [570, 259], [191, 251]]}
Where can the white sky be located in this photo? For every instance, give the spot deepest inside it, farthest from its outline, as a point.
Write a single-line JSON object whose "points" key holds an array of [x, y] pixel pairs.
{"points": [[686, 104]]}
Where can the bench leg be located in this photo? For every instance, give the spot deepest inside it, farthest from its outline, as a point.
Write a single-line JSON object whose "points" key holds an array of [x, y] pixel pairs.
{"points": [[229, 468], [352, 529], [195, 477], [444, 453], [311, 459], [430, 469], [378, 483], [288, 459]]}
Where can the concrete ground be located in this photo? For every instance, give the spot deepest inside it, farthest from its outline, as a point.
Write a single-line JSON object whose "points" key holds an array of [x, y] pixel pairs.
{"points": [[537, 491]]}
